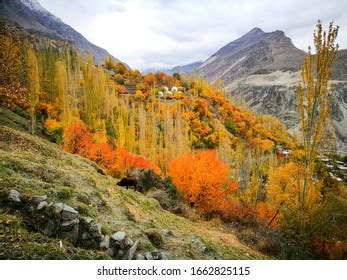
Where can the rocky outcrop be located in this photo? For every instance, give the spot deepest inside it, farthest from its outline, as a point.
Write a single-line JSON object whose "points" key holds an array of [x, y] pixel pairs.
{"points": [[60, 220]]}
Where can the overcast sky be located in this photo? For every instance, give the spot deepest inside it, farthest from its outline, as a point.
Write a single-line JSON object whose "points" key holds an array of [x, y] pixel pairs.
{"points": [[164, 33]]}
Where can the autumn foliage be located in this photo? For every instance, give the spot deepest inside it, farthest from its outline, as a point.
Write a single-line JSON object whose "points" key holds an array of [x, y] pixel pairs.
{"points": [[202, 179], [79, 140]]}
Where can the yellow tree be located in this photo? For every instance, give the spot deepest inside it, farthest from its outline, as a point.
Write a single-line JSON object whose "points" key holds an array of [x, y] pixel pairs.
{"points": [[283, 190], [33, 85], [11, 90], [61, 80], [314, 97]]}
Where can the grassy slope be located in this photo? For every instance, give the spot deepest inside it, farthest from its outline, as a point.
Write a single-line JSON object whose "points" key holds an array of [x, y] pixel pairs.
{"points": [[33, 165]]}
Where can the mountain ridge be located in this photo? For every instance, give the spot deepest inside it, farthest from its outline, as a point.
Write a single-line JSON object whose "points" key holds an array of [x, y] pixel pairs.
{"points": [[264, 69], [30, 15]]}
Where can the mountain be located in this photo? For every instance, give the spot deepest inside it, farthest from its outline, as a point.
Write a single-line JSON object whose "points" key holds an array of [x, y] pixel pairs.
{"points": [[255, 52], [184, 69], [30, 15], [264, 70]]}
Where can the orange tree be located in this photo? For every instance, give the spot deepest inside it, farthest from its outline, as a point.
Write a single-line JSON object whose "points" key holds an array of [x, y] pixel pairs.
{"points": [[202, 180]]}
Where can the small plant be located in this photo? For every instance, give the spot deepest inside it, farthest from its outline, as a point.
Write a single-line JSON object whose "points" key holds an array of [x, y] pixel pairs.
{"points": [[65, 193]]}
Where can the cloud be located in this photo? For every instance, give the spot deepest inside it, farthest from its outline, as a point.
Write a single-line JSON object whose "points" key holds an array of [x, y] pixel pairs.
{"points": [[161, 33]]}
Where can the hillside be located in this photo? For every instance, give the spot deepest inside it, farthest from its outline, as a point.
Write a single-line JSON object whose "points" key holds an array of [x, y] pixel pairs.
{"points": [[264, 70], [40, 171], [30, 15]]}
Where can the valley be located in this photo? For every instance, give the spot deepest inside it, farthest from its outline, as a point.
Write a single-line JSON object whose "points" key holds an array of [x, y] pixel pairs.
{"points": [[240, 156]]}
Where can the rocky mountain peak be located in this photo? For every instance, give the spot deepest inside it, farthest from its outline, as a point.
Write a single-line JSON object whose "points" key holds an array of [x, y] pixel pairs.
{"points": [[254, 31], [33, 5], [30, 15], [263, 68]]}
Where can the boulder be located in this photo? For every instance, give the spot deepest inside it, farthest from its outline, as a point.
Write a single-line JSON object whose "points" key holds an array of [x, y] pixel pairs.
{"points": [[64, 212], [71, 235], [128, 242], [95, 230], [69, 225], [155, 255], [149, 256], [86, 220], [199, 244], [139, 257], [37, 199], [42, 205], [119, 236], [14, 196], [130, 254], [163, 256], [105, 242]]}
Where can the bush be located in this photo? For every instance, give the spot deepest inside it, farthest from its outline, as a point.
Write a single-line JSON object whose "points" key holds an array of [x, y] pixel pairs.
{"points": [[148, 179], [54, 130]]}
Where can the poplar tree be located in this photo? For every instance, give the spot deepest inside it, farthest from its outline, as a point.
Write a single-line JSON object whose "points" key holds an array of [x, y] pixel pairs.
{"points": [[314, 97], [33, 86], [61, 81]]}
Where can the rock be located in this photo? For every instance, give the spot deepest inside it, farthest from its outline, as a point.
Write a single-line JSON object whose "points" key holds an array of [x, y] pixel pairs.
{"points": [[71, 235], [130, 254], [86, 220], [110, 252], [199, 244], [139, 257], [69, 213], [57, 208], [119, 236], [105, 242], [14, 196], [95, 230], [155, 255], [128, 242], [69, 224], [42, 205], [155, 237], [38, 199], [64, 212], [163, 256], [148, 256]]}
